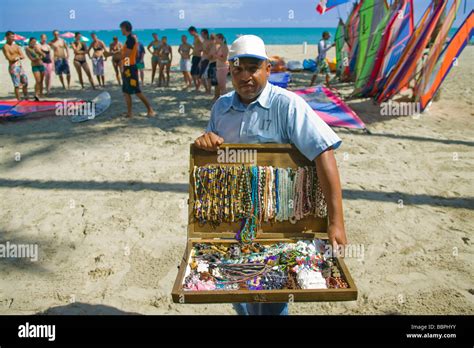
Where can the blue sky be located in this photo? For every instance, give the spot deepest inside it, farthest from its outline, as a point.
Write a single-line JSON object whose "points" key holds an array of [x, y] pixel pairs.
{"points": [[33, 15]]}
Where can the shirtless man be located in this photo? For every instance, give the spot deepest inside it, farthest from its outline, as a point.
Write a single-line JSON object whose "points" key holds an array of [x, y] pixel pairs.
{"points": [[206, 56], [98, 58], [196, 58], [61, 57], [115, 49], [14, 55]]}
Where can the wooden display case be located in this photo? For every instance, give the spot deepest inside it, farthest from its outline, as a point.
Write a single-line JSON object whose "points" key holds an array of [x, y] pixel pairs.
{"points": [[310, 227]]}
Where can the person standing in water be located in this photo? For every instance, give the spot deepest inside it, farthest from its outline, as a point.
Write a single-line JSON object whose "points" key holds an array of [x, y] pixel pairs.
{"points": [[61, 56], [98, 58], [130, 83], [80, 62], [47, 62], [115, 49], [33, 51], [185, 62], [14, 55], [166, 55], [155, 54]]}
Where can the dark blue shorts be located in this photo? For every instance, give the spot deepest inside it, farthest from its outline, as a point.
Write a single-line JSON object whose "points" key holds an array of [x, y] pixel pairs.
{"points": [[130, 83], [203, 66], [212, 73], [61, 66], [195, 65]]}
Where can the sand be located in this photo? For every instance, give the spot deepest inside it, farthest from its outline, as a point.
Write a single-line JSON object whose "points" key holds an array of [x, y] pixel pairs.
{"points": [[105, 201]]}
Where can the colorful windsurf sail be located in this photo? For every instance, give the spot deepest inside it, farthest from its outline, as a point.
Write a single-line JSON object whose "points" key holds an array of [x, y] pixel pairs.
{"points": [[405, 69], [353, 38], [396, 36], [341, 60], [448, 59], [330, 107], [15, 108], [436, 46], [326, 5], [373, 21]]}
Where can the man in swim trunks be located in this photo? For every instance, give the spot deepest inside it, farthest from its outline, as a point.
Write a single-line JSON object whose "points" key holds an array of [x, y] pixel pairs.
{"points": [[115, 49], [196, 58], [14, 55], [61, 57], [130, 82], [206, 55], [98, 58]]}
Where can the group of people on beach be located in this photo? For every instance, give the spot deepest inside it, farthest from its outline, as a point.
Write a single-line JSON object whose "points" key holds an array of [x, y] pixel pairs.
{"points": [[202, 63]]}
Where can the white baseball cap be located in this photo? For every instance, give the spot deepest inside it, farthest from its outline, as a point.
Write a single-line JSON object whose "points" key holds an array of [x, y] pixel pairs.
{"points": [[250, 46]]}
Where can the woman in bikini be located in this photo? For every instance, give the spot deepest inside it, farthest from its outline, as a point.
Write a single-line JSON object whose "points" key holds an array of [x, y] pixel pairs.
{"points": [[47, 62], [98, 58], [222, 54], [80, 62], [33, 51], [166, 55], [155, 58], [116, 53]]}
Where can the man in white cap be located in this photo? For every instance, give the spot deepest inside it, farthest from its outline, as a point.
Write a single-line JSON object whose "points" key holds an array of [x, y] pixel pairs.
{"points": [[258, 112]]}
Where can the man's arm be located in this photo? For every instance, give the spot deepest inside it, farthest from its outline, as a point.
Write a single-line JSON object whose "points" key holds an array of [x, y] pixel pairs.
{"points": [[8, 55], [328, 176]]}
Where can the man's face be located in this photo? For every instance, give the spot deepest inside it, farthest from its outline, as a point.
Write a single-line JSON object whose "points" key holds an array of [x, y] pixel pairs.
{"points": [[249, 77], [56, 35], [184, 39], [10, 38]]}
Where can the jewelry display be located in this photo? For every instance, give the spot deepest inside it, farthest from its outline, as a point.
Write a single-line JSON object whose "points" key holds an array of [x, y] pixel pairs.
{"points": [[255, 194], [299, 265]]}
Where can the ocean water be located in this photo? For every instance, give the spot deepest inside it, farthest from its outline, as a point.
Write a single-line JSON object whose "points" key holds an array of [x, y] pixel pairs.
{"points": [[271, 36]]}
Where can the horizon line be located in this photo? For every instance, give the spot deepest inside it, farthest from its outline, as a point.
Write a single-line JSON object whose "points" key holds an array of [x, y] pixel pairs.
{"points": [[184, 29]]}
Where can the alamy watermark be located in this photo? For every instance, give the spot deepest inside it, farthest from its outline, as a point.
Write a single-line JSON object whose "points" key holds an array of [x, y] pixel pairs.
{"points": [[228, 155], [392, 108], [19, 251], [68, 108], [356, 251]]}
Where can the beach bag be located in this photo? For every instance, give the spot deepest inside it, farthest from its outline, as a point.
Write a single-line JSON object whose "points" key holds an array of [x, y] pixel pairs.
{"points": [[309, 64]]}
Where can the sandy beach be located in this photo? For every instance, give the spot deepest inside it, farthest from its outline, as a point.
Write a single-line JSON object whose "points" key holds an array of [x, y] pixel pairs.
{"points": [[105, 201]]}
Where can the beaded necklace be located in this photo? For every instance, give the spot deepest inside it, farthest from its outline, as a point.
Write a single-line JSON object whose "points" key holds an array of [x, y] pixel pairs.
{"points": [[255, 194]]}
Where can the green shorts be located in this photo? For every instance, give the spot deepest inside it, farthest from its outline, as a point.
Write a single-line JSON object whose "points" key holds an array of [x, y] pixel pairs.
{"points": [[323, 67], [140, 66], [38, 68]]}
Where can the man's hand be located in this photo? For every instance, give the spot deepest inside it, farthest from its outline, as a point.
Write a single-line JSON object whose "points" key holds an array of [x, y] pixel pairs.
{"points": [[209, 141], [337, 236]]}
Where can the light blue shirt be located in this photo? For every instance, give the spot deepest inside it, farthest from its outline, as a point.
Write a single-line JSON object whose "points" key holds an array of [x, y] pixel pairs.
{"points": [[277, 116]]}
